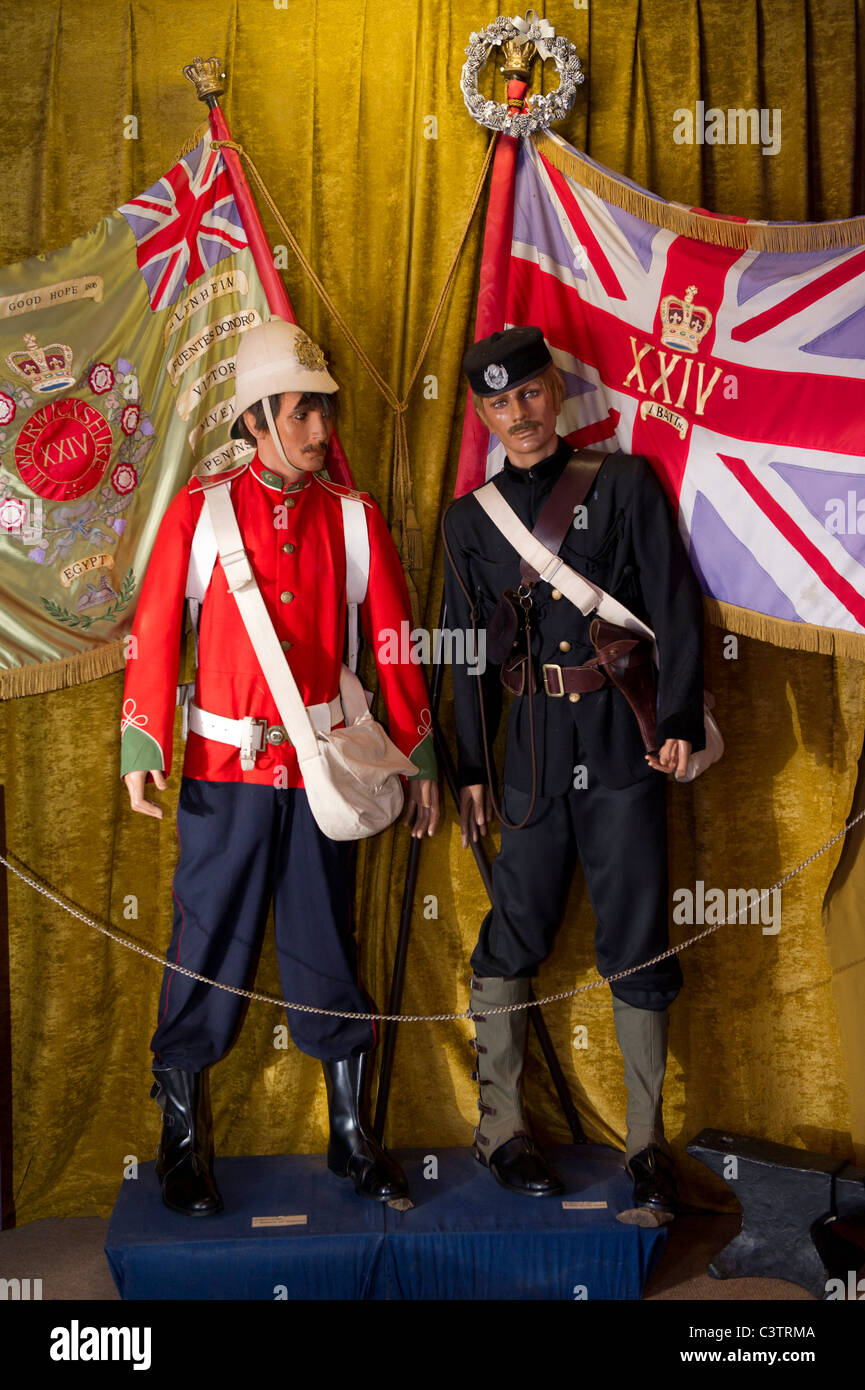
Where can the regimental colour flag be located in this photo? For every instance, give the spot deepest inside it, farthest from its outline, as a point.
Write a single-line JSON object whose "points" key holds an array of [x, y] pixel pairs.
{"points": [[732, 355], [117, 358]]}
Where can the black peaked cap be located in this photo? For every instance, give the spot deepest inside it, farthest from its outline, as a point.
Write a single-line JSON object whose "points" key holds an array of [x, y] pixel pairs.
{"points": [[505, 360]]}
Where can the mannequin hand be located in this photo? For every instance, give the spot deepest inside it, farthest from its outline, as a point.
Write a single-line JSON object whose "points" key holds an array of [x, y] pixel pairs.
{"points": [[673, 757], [136, 782], [422, 807], [476, 811]]}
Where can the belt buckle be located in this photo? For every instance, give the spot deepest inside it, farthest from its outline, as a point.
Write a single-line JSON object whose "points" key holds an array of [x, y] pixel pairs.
{"points": [[252, 741], [552, 666]]}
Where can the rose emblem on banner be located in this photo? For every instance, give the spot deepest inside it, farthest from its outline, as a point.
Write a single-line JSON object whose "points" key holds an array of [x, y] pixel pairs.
{"points": [[129, 419], [124, 479], [101, 378], [13, 514], [7, 409]]}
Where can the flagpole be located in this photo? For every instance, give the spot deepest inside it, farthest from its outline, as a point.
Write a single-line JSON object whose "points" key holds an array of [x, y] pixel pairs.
{"points": [[209, 83], [498, 235], [7, 1192]]}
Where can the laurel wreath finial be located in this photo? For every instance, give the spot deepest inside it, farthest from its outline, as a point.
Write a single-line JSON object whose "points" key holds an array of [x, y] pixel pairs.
{"points": [[542, 109]]}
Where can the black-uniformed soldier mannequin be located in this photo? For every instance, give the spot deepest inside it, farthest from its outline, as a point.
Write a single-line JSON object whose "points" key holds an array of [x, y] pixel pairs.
{"points": [[616, 822]]}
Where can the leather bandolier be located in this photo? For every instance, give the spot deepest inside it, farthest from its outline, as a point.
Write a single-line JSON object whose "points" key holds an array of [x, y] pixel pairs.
{"points": [[621, 658]]}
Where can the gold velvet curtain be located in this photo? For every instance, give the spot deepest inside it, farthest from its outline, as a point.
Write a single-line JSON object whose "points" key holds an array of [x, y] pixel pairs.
{"points": [[333, 100]]}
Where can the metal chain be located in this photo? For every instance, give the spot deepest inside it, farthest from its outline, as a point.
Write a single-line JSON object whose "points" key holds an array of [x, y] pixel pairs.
{"points": [[422, 1018]]}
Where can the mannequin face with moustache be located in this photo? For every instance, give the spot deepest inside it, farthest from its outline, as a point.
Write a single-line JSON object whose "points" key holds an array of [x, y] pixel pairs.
{"points": [[524, 419], [304, 433]]}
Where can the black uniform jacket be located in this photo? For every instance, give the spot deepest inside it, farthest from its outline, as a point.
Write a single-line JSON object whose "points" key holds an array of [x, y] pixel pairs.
{"points": [[630, 547]]}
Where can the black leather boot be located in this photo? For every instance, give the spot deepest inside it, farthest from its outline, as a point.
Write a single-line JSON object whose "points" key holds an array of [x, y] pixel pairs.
{"points": [[353, 1151], [654, 1181], [184, 1159]]}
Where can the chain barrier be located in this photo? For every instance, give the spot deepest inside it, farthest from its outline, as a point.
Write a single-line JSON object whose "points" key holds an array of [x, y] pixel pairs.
{"points": [[256, 997]]}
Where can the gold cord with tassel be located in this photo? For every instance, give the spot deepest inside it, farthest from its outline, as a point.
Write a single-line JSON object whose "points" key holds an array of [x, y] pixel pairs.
{"points": [[405, 527]]}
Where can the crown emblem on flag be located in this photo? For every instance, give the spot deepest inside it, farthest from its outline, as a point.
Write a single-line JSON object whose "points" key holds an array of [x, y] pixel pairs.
{"points": [[44, 369], [684, 322]]}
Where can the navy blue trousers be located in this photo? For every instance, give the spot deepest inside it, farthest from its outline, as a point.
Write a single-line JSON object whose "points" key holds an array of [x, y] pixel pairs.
{"points": [[241, 846], [620, 837]]}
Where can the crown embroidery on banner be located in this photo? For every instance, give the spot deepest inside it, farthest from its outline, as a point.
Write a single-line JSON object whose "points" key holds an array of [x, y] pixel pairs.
{"points": [[309, 354], [44, 369], [684, 322]]}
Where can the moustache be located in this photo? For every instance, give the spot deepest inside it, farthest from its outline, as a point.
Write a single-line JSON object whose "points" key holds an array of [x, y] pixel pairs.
{"points": [[522, 429], [314, 449]]}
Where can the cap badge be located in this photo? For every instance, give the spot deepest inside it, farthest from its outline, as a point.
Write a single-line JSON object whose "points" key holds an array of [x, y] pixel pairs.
{"points": [[309, 354], [496, 376]]}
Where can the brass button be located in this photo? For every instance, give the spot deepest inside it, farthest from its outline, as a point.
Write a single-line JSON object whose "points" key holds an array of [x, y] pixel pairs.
{"points": [[288, 502], [557, 593], [573, 697], [564, 646], [276, 734], [285, 645], [288, 548], [286, 596]]}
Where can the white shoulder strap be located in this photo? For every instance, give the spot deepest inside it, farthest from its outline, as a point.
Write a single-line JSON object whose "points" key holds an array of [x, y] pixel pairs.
{"points": [[585, 596], [256, 620], [202, 559], [356, 568]]}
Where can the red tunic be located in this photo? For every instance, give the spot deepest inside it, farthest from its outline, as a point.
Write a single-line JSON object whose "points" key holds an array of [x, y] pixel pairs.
{"points": [[293, 536]]}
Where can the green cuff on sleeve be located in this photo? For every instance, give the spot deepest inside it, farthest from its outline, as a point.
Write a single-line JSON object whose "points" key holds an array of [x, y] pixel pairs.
{"points": [[424, 758], [139, 752]]}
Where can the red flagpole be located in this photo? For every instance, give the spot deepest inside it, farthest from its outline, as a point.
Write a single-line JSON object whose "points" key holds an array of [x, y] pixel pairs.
{"points": [[277, 297], [498, 235]]}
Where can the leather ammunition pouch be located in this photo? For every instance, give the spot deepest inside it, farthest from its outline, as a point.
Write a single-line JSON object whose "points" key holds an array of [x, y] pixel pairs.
{"points": [[508, 644], [621, 659], [627, 663]]}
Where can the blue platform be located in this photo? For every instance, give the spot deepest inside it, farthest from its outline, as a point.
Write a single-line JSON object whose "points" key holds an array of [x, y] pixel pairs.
{"points": [[465, 1237]]}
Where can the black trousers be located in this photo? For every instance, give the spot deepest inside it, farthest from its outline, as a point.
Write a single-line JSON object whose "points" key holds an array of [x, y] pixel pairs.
{"points": [[240, 846], [620, 837]]}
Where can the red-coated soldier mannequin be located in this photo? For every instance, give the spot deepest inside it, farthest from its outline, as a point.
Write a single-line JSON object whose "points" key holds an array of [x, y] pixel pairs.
{"points": [[245, 829]]}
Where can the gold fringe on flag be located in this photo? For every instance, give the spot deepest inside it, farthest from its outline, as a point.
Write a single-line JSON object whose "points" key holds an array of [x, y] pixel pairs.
{"points": [[194, 139], [58, 675], [700, 226], [803, 637]]}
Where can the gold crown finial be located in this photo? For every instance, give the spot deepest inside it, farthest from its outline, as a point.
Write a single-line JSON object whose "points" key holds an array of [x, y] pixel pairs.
{"points": [[519, 54], [206, 76], [518, 60]]}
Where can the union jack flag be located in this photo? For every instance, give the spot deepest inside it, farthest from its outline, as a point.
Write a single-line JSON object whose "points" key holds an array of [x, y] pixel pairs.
{"points": [[740, 375], [184, 224]]}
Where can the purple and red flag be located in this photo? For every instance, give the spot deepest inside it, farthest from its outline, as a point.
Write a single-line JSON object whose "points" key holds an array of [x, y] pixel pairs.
{"points": [[738, 371]]}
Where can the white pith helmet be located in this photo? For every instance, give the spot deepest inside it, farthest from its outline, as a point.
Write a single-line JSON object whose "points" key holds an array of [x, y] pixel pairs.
{"points": [[274, 357]]}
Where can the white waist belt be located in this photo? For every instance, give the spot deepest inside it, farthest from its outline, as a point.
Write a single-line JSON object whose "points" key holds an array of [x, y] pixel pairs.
{"points": [[252, 736]]}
